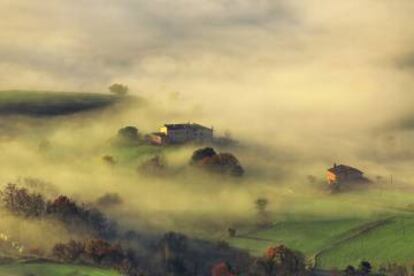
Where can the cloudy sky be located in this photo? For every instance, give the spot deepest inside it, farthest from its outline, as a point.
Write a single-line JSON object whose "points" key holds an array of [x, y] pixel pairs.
{"points": [[337, 54]]}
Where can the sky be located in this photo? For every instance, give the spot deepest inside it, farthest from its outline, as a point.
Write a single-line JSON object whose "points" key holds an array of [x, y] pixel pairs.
{"points": [[332, 59]]}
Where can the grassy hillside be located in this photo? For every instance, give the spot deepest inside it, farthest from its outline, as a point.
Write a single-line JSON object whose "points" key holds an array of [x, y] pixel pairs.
{"points": [[129, 154], [340, 242], [306, 236], [392, 242], [44, 103], [45, 269]]}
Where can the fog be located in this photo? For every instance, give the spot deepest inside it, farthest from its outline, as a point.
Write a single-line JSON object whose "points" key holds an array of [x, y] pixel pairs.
{"points": [[301, 85], [298, 67]]}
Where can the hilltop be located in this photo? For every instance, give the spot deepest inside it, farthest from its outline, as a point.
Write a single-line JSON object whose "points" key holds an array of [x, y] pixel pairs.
{"points": [[49, 103]]}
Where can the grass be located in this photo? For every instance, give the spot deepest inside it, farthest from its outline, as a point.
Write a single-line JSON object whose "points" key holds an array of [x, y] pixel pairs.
{"points": [[133, 154], [45, 269], [339, 242], [306, 236], [128, 154], [392, 242], [44, 103]]}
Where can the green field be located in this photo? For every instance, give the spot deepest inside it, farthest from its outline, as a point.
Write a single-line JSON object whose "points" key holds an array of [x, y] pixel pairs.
{"points": [[131, 155], [43, 269], [306, 236], [43, 103], [391, 242], [327, 241], [337, 243], [127, 154]]}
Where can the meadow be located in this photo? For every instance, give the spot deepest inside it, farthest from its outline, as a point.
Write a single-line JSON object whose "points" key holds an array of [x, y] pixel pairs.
{"points": [[46, 103], [337, 243], [41, 269], [332, 230]]}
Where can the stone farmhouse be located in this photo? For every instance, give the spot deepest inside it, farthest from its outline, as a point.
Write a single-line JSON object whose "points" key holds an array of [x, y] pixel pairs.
{"points": [[181, 133]]}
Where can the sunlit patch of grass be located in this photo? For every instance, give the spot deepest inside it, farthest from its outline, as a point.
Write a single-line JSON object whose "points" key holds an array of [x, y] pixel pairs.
{"points": [[46, 269], [392, 242], [307, 236]]}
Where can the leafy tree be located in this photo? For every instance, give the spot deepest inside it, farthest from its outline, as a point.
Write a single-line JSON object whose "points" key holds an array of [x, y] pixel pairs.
{"points": [[222, 269], [201, 154], [21, 202], [102, 252], [350, 271], [68, 252], [280, 261], [129, 133], [63, 208], [364, 268], [94, 251], [24, 203], [173, 246], [224, 163], [67, 211], [261, 206], [118, 89], [231, 231]]}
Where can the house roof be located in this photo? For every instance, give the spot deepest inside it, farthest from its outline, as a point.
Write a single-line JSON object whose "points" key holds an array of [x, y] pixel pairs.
{"points": [[337, 169], [185, 126], [158, 134]]}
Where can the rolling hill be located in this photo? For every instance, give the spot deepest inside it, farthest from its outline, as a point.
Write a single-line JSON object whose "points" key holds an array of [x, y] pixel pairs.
{"points": [[46, 103], [51, 269], [337, 243]]}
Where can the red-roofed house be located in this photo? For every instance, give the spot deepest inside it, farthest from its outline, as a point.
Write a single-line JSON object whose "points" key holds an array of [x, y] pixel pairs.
{"points": [[343, 173]]}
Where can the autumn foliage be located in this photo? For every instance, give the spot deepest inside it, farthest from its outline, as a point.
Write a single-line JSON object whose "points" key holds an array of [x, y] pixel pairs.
{"points": [[280, 260], [223, 163], [95, 252], [22, 202], [222, 269]]}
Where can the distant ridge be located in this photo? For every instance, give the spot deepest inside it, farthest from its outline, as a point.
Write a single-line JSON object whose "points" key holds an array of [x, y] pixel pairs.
{"points": [[49, 103]]}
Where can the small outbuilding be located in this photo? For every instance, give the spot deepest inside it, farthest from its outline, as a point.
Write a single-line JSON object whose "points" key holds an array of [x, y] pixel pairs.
{"points": [[340, 174]]}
